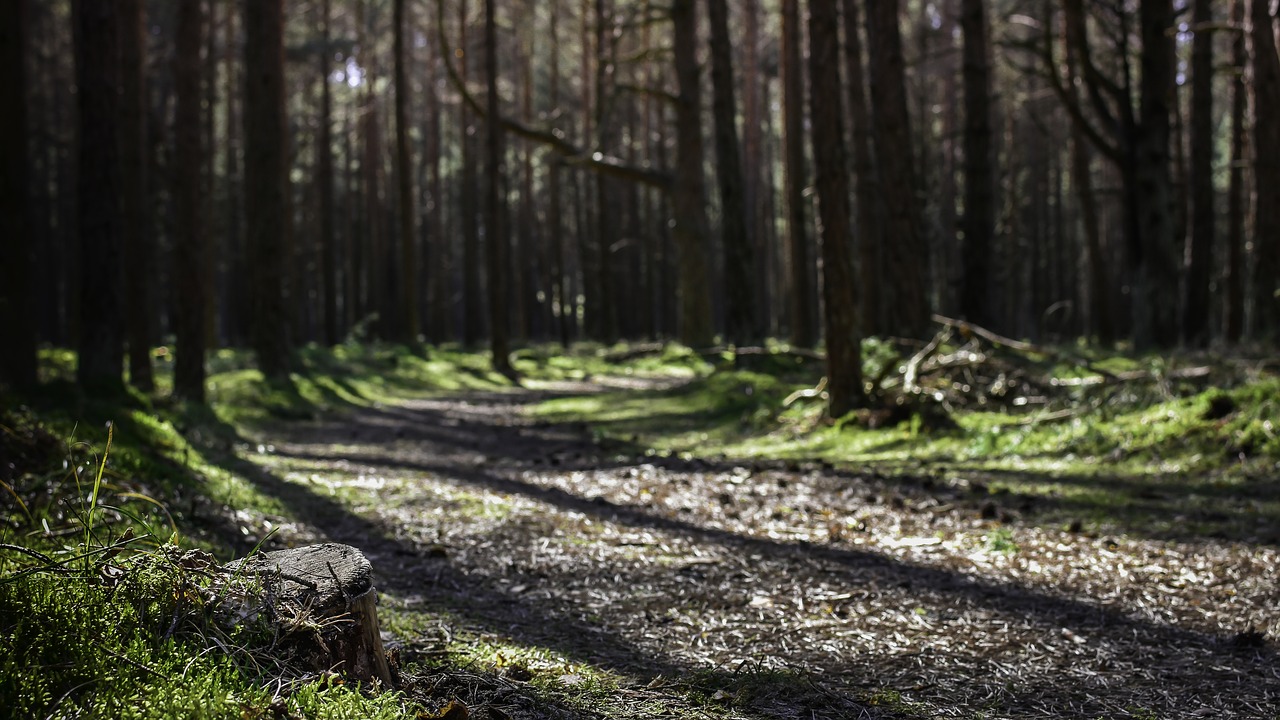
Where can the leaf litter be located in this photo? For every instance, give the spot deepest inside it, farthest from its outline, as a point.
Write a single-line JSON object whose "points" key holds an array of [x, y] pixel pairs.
{"points": [[711, 588]]}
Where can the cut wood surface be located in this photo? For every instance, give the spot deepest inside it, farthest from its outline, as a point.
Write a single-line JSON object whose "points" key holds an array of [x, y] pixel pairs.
{"points": [[327, 589]]}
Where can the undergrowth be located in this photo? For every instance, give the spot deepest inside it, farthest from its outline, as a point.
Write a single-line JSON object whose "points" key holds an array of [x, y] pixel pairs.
{"points": [[105, 612]]}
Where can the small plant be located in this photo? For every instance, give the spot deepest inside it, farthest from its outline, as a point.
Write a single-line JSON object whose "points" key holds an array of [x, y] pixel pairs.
{"points": [[1001, 540]]}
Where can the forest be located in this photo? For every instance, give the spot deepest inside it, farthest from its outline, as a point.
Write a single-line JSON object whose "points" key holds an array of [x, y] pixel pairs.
{"points": [[754, 359]]}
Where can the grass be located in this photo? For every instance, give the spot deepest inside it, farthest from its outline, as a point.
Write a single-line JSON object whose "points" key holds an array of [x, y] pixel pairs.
{"points": [[1189, 461], [97, 619]]}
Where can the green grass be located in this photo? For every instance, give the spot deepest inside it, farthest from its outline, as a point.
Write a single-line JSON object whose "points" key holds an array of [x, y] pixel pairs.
{"points": [[82, 634], [1189, 462]]}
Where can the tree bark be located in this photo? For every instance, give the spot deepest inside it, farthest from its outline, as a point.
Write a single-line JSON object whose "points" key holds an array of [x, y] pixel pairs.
{"points": [[804, 331], [324, 173], [1266, 173], [1233, 301], [101, 340], [17, 316], [844, 344], [138, 254], [907, 256], [866, 177], [408, 331], [688, 202], [1155, 275], [473, 322], [739, 256], [978, 298], [190, 232], [1199, 252], [495, 202], [267, 183]]}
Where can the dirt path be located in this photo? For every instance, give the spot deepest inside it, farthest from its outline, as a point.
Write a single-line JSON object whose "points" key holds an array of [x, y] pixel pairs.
{"points": [[683, 574]]}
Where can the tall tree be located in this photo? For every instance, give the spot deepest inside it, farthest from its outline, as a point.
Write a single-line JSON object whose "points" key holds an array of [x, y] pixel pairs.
{"points": [[324, 176], [866, 176], [17, 317], [689, 190], [139, 257], [472, 302], [840, 310], [978, 296], [101, 338], [495, 202], [1233, 301], [1136, 141], [189, 207], [907, 254], [1199, 255], [739, 255], [1266, 172], [266, 179], [404, 174], [804, 331]]}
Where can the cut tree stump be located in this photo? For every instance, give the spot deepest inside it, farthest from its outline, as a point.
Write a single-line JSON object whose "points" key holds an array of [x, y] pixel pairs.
{"points": [[323, 600]]}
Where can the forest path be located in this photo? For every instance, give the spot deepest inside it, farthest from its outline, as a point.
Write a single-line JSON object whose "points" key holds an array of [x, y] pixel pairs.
{"points": [[849, 588]]}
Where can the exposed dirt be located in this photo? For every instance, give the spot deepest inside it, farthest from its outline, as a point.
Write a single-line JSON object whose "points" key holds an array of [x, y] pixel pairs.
{"points": [[885, 596]]}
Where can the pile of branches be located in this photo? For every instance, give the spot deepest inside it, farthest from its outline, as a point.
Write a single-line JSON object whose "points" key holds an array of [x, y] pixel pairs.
{"points": [[966, 366]]}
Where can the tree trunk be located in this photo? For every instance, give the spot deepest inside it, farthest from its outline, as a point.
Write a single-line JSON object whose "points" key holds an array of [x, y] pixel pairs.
{"points": [[266, 182], [190, 232], [1155, 276], [555, 219], [866, 177], [754, 82], [804, 331], [324, 173], [1233, 304], [101, 340], [1199, 253], [495, 202], [907, 255], [689, 193], [139, 262], [1266, 174], [472, 304], [409, 326], [335, 585], [17, 316], [237, 292], [977, 300], [739, 255], [844, 345]]}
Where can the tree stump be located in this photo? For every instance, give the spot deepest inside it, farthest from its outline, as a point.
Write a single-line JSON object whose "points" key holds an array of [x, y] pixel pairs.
{"points": [[323, 600]]}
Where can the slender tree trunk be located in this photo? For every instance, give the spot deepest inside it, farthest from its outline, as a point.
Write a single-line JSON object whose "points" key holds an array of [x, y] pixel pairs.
{"points": [[1155, 274], [555, 219], [404, 174], [604, 310], [1199, 254], [689, 192], [495, 203], [191, 232], [328, 241], [866, 178], [472, 303], [438, 246], [17, 316], [267, 183], [844, 344], [978, 298], [1233, 305], [739, 255], [237, 292], [804, 331], [1266, 174], [907, 254], [754, 80], [101, 340], [139, 265]]}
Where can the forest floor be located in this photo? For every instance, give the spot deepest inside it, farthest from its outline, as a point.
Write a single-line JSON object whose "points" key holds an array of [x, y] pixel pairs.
{"points": [[528, 570]]}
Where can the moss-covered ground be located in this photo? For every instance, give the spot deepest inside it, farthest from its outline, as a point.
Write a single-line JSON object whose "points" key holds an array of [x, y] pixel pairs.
{"points": [[99, 617]]}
